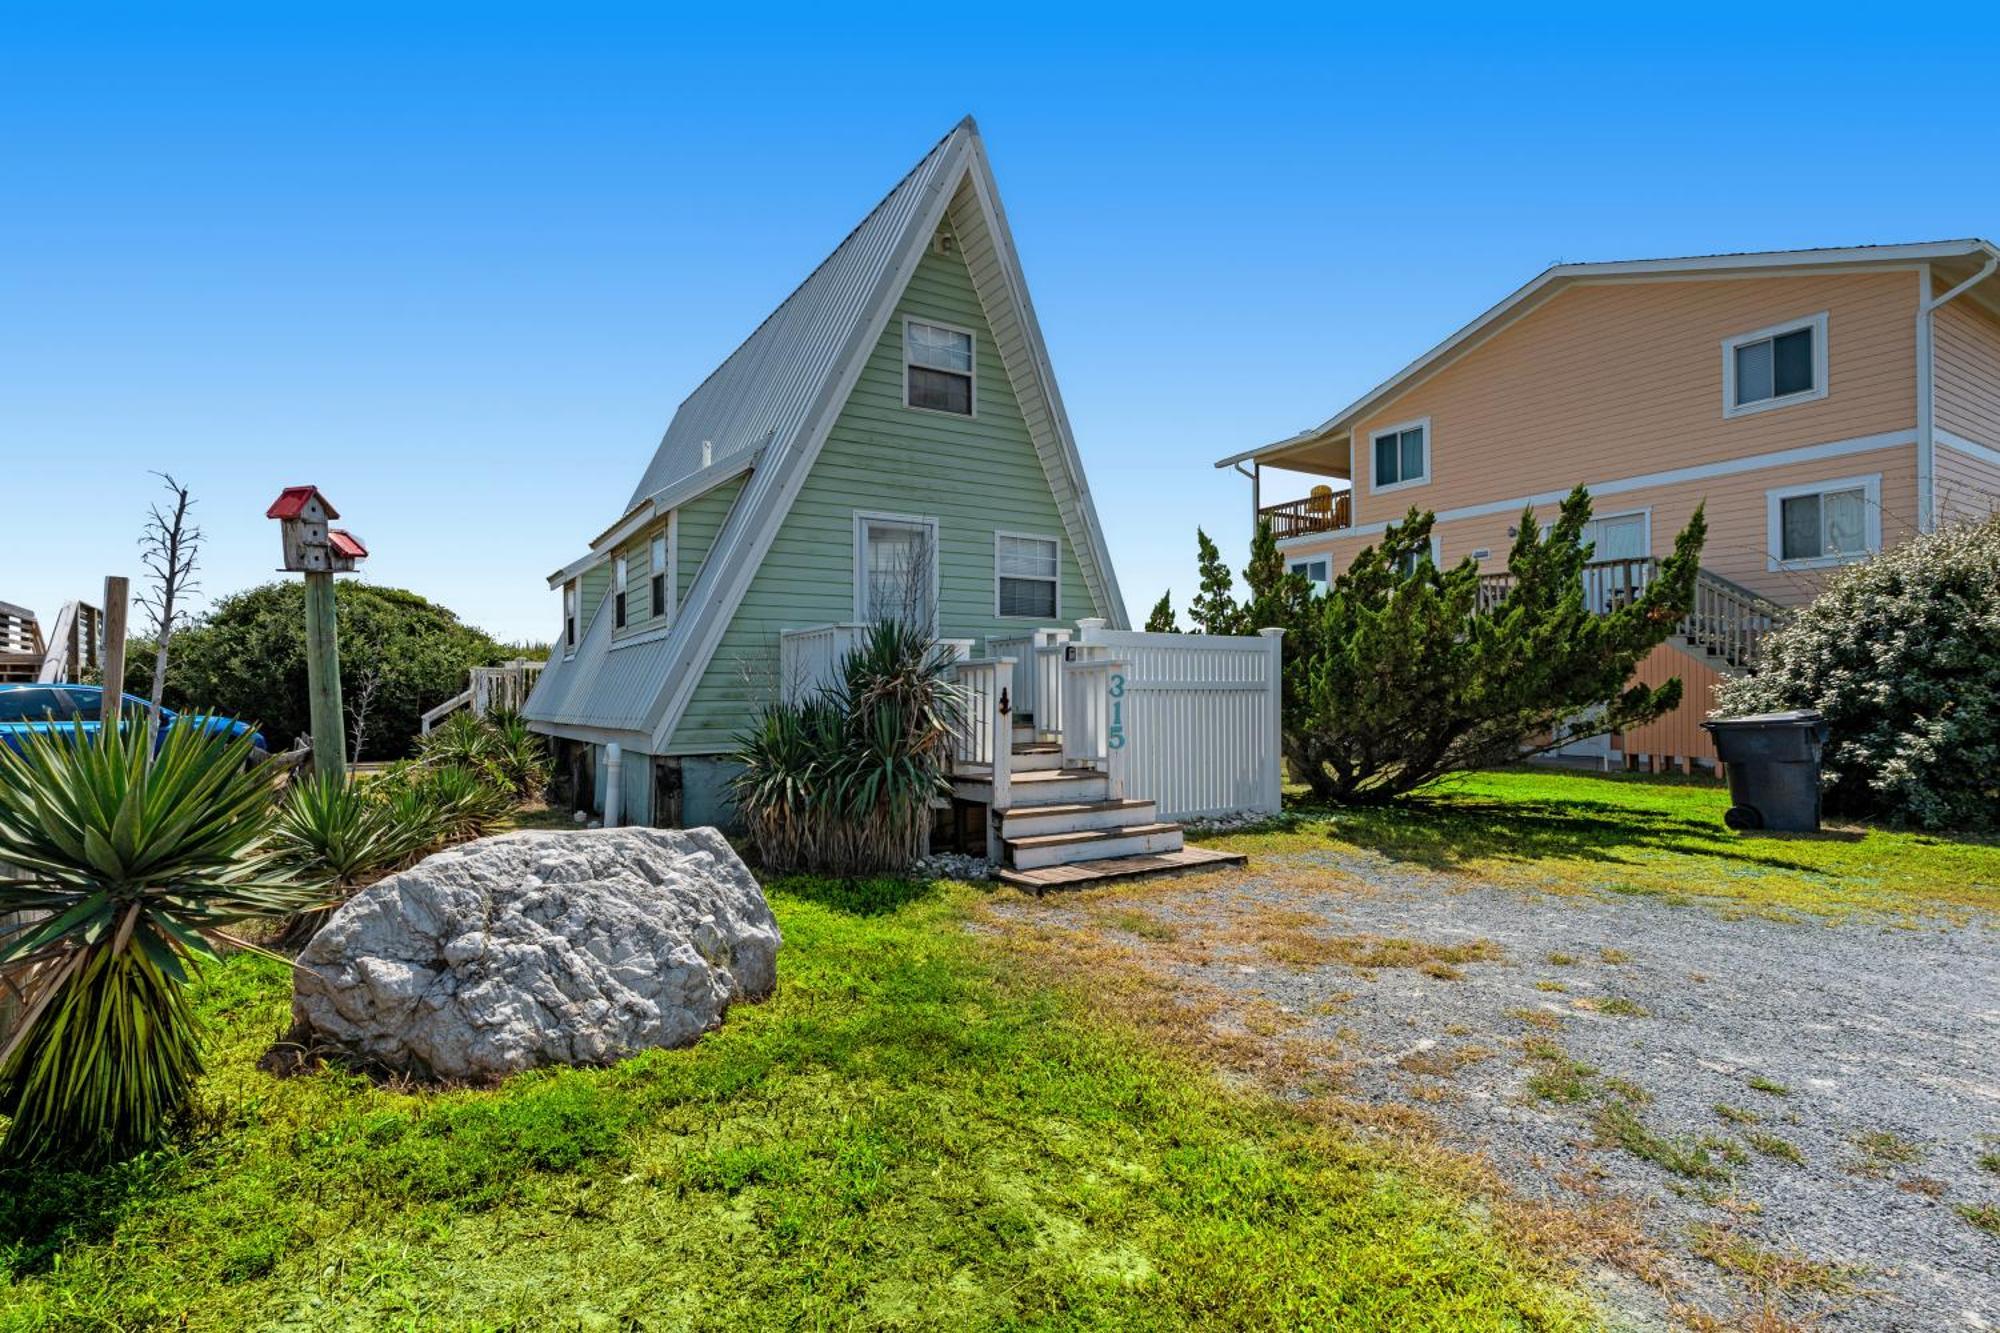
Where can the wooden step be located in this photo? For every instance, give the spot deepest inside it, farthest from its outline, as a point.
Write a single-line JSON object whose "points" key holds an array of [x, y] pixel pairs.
{"points": [[1037, 757], [1049, 849], [1036, 787], [1089, 874], [1026, 821]]}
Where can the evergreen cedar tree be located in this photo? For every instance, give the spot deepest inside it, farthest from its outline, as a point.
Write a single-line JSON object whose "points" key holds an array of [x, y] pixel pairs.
{"points": [[1902, 654], [1398, 675]]}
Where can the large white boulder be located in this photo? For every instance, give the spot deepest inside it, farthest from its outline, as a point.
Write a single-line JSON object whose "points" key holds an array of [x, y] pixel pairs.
{"points": [[537, 949]]}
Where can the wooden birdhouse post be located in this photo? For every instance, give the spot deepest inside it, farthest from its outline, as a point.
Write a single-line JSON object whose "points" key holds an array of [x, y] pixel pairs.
{"points": [[319, 552]]}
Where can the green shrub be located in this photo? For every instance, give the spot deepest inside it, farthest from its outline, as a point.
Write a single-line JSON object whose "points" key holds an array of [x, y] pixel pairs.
{"points": [[1902, 655], [132, 860], [246, 657], [1402, 672], [842, 782]]}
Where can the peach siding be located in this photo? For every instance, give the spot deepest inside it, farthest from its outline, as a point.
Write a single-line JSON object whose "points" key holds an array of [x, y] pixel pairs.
{"points": [[1967, 487], [1679, 733], [1966, 344], [1621, 379], [1738, 520]]}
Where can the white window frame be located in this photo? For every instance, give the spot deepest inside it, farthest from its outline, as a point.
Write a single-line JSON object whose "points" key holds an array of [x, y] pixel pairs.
{"points": [[572, 630], [862, 518], [1293, 565], [1730, 407], [1548, 526], [1774, 519], [972, 374], [670, 535], [1032, 537], [621, 593], [1374, 488]]}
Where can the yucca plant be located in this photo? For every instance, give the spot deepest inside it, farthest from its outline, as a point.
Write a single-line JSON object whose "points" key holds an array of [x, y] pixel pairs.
{"points": [[521, 756], [461, 739], [466, 802], [842, 783], [333, 832], [132, 870]]}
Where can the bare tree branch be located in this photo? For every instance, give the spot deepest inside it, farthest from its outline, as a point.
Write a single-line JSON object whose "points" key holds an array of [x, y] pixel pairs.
{"points": [[169, 548]]}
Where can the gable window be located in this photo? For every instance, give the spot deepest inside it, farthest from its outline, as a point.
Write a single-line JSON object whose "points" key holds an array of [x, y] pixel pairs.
{"points": [[1025, 576], [619, 576], [937, 368], [1315, 570], [895, 569], [1402, 455], [569, 616], [659, 579], [1825, 523], [1774, 367]]}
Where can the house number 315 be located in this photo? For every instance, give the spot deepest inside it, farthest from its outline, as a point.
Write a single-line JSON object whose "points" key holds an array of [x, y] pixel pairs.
{"points": [[1115, 735]]}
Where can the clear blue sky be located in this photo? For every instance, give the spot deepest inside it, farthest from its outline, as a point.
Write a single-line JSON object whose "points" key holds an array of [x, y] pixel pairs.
{"points": [[459, 267]]}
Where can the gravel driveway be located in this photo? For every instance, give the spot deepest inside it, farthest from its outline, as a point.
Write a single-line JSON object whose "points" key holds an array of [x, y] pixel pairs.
{"points": [[1800, 1110]]}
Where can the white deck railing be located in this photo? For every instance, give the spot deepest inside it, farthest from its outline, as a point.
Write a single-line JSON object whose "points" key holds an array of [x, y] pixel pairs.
{"points": [[1038, 659], [810, 659], [504, 688]]}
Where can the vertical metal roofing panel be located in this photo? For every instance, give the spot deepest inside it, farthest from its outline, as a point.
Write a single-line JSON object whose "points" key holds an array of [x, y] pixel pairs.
{"points": [[766, 387]]}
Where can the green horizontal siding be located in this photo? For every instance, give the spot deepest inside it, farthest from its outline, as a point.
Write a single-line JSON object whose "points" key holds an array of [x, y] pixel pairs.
{"points": [[975, 476], [596, 581], [700, 519]]}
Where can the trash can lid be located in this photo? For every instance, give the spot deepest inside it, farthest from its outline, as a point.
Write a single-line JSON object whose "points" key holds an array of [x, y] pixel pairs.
{"points": [[1797, 717]]}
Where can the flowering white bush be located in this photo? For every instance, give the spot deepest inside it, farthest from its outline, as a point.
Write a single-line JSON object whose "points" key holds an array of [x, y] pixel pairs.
{"points": [[1902, 654]]}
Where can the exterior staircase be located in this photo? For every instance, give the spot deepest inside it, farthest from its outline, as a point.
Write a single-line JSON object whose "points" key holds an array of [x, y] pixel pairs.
{"points": [[1056, 812], [61, 657], [1726, 627]]}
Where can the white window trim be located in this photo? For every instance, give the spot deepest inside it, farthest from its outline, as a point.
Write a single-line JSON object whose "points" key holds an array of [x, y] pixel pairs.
{"points": [[1548, 524], [572, 617], [862, 518], [973, 374], [1817, 323], [672, 571], [1774, 519], [1378, 433], [1032, 537]]}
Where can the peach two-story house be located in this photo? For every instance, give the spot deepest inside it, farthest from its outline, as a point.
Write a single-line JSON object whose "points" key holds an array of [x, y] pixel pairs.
{"points": [[1823, 404]]}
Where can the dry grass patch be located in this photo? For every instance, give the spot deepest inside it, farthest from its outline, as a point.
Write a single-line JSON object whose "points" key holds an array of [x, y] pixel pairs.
{"points": [[1443, 1062], [1541, 1018], [1770, 1270]]}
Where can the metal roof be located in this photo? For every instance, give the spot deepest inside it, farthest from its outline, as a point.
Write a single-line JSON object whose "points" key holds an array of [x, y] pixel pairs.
{"points": [[763, 392]]}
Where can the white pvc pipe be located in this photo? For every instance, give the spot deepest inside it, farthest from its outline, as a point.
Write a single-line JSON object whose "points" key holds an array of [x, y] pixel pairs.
{"points": [[614, 784]]}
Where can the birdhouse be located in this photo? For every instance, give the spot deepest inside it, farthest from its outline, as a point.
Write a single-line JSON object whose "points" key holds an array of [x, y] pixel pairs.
{"points": [[302, 514], [344, 548]]}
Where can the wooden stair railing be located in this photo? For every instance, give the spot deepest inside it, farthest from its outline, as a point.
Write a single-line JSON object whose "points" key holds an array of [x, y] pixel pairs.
{"points": [[1297, 518]]}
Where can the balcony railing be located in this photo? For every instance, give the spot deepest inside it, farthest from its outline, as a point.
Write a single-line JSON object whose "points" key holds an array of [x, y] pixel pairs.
{"points": [[1729, 622], [1315, 513]]}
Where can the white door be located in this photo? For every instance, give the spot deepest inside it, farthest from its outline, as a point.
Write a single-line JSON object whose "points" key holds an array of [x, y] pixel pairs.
{"points": [[1620, 543]]}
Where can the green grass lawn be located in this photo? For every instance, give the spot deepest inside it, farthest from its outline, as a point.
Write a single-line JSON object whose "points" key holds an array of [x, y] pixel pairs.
{"points": [[1653, 835], [908, 1134]]}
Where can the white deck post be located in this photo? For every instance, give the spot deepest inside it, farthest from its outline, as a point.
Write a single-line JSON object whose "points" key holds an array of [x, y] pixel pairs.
{"points": [[1274, 795], [1002, 723], [1115, 722]]}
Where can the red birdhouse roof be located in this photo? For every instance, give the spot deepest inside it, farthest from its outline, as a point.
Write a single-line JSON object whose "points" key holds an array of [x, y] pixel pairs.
{"points": [[346, 543], [291, 502]]}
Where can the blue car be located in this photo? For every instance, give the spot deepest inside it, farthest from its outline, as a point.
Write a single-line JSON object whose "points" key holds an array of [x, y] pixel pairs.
{"points": [[72, 708]]}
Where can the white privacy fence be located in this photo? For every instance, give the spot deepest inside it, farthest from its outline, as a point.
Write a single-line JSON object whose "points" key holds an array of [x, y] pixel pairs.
{"points": [[1195, 717], [1038, 664]]}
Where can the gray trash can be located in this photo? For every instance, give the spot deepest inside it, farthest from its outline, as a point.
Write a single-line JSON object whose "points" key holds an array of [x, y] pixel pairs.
{"points": [[1773, 763]]}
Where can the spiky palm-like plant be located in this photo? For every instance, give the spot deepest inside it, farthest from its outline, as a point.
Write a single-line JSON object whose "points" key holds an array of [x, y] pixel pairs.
{"points": [[132, 868], [336, 834], [843, 782]]}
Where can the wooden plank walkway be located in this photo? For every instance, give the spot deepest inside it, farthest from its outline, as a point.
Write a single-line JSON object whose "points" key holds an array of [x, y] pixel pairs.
{"points": [[1087, 874]]}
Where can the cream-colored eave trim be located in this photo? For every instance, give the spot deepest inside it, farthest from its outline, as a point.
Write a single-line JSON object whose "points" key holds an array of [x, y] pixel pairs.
{"points": [[1539, 285], [689, 488]]}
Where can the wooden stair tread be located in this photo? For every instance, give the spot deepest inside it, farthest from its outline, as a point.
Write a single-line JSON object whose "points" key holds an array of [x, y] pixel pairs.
{"points": [[1082, 874], [1090, 835], [1037, 747], [1059, 808]]}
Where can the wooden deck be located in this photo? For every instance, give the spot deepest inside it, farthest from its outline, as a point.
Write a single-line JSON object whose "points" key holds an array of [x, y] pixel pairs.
{"points": [[1088, 874]]}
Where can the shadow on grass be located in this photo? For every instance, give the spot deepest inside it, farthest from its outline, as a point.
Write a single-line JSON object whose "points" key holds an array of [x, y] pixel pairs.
{"points": [[1445, 831], [881, 895]]}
